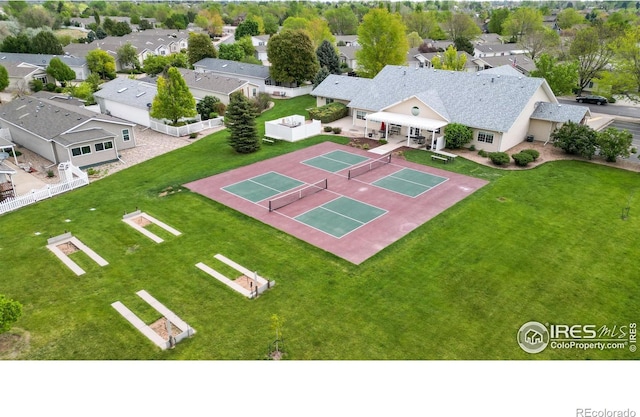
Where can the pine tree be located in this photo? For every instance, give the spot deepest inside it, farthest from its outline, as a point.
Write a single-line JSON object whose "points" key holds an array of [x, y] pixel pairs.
{"points": [[328, 58], [174, 99], [240, 119]]}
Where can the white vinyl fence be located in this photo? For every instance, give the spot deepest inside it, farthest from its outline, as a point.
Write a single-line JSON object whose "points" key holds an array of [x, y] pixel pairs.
{"points": [[185, 130], [71, 177]]}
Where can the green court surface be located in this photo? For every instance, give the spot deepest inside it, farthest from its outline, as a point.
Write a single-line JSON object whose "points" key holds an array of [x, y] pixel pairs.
{"points": [[409, 182], [340, 216], [263, 186], [335, 161]]}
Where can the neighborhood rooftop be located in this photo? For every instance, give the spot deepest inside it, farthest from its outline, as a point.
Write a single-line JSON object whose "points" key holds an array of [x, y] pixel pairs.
{"points": [[131, 92], [233, 67]]}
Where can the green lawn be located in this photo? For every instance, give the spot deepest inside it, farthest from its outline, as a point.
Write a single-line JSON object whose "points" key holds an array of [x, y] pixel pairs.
{"points": [[546, 244]]}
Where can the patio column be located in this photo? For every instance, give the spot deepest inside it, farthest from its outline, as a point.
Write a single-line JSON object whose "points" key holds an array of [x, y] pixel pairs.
{"points": [[433, 136]]}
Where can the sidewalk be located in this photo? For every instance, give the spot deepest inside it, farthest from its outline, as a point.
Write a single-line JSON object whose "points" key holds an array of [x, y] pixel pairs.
{"points": [[23, 182]]}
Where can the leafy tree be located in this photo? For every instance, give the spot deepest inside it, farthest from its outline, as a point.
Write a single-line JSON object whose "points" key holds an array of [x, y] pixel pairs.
{"points": [[423, 23], [625, 80], [342, 20], [248, 27], [457, 135], [100, 33], [328, 58], [127, 56], [614, 143], [383, 40], [36, 17], [230, 51], [101, 63], [10, 312], [498, 16], [568, 18], [200, 46], [177, 21], [451, 60], [561, 77], [247, 45], [60, 71], [270, 24], [210, 20], [539, 40], [292, 57], [206, 106], [592, 50], [576, 139], [522, 21], [17, 44], [461, 25], [109, 26], [174, 99], [240, 119], [322, 73], [319, 31], [4, 78], [45, 42], [144, 25], [414, 40], [121, 29]]}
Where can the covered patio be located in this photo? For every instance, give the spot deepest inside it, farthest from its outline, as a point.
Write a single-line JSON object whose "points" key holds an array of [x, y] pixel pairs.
{"points": [[416, 127]]}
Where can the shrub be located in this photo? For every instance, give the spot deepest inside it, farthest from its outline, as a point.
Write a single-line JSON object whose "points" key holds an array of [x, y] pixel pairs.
{"points": [[14, 153], [482, 152], [499, 158], [472, 148], [634, 150], [36, 85], [365, 146], [329, 112], [51, 87], [193, 135], [92, 171], [261, 102], [522, 159], [50, 173], [337, 130], [219, 108], [213, 115], [534, 154], [328, 129], [457, 135], [382, 141]]}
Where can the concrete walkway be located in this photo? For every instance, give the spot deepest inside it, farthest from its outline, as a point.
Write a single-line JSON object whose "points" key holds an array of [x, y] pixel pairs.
{"points": [[23, 182]]}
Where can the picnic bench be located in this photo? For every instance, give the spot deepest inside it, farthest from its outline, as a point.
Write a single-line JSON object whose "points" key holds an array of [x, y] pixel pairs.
{"points": [[449, 156], [269, 140], [440, 158]]}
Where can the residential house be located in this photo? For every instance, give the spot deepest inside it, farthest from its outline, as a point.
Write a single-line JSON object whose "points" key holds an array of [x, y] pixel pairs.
{"points": [[127, 99], [202, 84], [347, 55], [521, 63], [60, 132], [419, 59], [347, 40], [22, 74], [500, 105], [78, 65], [489, 50]]}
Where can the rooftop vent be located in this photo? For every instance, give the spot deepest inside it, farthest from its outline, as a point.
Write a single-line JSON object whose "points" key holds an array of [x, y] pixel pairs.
{"points": [[122, 89], [141, 94]]}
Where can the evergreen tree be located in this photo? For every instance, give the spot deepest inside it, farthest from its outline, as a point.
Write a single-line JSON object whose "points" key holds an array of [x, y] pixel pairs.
{"points": [[60, 71], [174, 99], [328, 58], [45, 42], [320, 76], [240, 119], [200, 46], [4, 78]]}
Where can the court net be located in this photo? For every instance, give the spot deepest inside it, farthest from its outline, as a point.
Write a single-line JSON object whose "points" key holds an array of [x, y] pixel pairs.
{"points": [[368, 166], [294, 196]]}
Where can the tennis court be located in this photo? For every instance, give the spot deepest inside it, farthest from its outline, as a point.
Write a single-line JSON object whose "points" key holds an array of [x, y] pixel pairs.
{"points": [[335, 161], [410, 182], [263, 186], [341, 216], [343, 200]]}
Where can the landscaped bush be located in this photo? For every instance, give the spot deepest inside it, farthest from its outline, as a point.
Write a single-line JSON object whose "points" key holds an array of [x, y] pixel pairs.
{"points": [[261, 102], [328, 129], [499, 158], [634, 150], [329, 112], [337, 130], [51, 87], [522, 159], [482, 152], [457, 135], [472, 148], [36, 85], [534, 154], [219, 108], [382, 141]]}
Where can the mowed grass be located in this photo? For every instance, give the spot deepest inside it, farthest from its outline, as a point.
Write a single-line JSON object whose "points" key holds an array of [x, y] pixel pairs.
{"points": [[546, 244]]}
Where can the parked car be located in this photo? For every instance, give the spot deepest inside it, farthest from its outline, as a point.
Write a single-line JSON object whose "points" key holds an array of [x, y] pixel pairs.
{"points": [[592, 99]]}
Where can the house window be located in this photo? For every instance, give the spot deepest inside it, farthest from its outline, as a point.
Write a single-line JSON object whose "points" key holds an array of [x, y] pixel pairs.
{"points": [[329, 100], [125, 135], [414, 131], [485, 137], [102, 146], [83, 150], [361, 115], [255, 92]]}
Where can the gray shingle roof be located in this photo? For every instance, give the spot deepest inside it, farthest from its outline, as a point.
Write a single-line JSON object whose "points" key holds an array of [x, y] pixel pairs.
{"points": [[342, 88], [560, 112], [41, 59], [48, 118], [211, 82], [233, 68], [72, 138], [480, 100], [134, 93]]}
